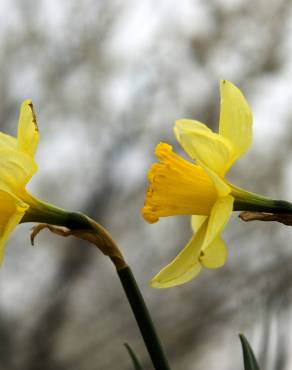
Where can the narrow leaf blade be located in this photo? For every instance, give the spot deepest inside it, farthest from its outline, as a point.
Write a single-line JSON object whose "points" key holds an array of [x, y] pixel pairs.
{"points": [[249, 359], [136, 363]]}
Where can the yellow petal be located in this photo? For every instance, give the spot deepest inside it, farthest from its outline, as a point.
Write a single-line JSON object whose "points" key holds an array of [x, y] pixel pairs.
{"points": [[235, 118], [218, 218], [11, 212], [204, 146], [16, 170], [215, 255], [188, 125], [221, 186], [7, 142], [185, 266], [197, 222], [28, 134]]}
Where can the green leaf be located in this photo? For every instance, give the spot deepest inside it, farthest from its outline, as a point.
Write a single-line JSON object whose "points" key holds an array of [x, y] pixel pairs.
{"points": [[249, 359], [134, 358]]}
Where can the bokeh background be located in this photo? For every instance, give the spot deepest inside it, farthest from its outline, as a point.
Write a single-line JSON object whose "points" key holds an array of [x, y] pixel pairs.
{"points": [[108, 79]]}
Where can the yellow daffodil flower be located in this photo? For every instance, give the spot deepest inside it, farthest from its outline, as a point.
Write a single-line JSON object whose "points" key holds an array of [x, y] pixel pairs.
{"points": [[179, 187], [17, 205], [17, 168]]}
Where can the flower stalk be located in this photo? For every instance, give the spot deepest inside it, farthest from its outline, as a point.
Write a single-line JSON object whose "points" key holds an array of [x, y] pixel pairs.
{"points": [[83, 227], [143, 319], [247, 201]]}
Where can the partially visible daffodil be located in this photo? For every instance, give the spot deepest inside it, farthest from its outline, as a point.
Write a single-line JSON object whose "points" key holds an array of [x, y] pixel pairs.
{"points": [[179, 187], [17, 205], [17, 167]]}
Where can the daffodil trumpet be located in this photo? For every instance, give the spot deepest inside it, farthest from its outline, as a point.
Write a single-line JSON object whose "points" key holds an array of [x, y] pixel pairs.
{"points": [[180, 187]]}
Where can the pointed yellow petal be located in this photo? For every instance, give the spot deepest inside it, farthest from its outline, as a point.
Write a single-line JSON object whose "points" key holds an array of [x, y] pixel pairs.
{"points": [[7, 142], [204, 146], [218, 218], [197, 222], [11, 212], [16, 170], [235, 118], [185, 266], [188, 125], [28, 134], [215, 255]]}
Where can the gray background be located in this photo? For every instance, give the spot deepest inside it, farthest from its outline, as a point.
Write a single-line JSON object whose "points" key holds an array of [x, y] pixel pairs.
{"points": [[108, 80]]}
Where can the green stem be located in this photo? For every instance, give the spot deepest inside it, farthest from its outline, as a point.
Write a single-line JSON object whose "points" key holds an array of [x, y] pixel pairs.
{"points": [[43, 212], [80, 224], [143, 319], [271, 206], [248, 201]]}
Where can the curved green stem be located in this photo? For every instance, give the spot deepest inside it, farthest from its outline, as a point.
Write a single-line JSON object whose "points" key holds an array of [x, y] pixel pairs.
{"points": [[85, 228], [143, 319]]}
